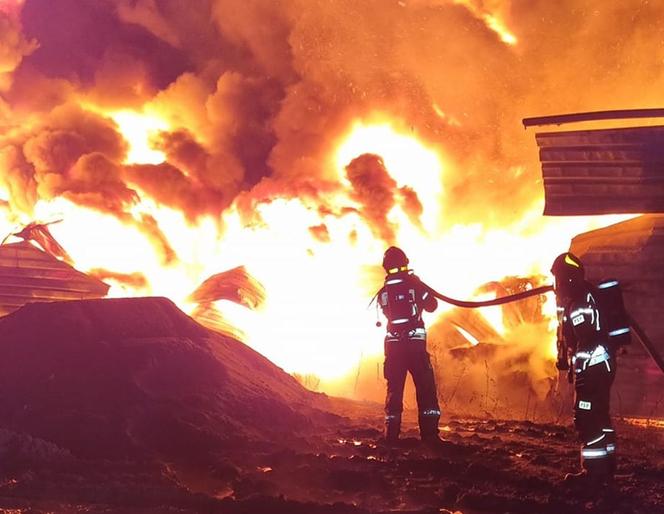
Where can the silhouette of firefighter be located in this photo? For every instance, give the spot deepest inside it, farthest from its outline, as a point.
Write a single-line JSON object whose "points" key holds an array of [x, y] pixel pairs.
{"points": [[592, 326], [402, 299]]}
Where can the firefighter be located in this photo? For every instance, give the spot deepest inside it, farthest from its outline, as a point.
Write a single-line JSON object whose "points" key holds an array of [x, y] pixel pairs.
{"points": [[402, 299], [589, 355]]}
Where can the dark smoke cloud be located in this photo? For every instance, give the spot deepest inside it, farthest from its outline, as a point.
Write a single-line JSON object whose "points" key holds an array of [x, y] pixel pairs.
{"points": [[238, 111], [34, 94], [83, 41], [71, 153], [18, 177], [93, 181], [183, 151], [267, 85], [261, 30], [411, 205], [168, 185], [225, 137], [373, 189]]}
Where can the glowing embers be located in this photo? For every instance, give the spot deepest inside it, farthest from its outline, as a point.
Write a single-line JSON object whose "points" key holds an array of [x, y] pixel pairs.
{"points": [[138, 129]]}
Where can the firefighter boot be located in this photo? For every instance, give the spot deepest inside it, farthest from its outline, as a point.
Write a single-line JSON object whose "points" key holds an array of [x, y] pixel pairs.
{"points": [[392, 428], [597, 469], [599, 472], [428, 421]]}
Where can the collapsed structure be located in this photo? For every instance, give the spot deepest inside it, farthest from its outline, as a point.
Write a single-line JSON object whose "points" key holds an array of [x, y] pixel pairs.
{"points": [[30, 271]]}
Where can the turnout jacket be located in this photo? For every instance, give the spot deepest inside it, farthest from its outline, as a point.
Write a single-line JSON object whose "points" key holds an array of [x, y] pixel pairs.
{"points": [[583, 329], [402, 299]]}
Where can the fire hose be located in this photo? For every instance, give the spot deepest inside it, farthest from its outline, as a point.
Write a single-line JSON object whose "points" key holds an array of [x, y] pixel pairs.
{"points": [[485, 303], [479, 303], [494, 301]]}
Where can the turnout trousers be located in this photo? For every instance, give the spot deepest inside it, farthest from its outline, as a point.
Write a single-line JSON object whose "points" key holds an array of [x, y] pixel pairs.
{"points": [[594, 373], [404, 354]]}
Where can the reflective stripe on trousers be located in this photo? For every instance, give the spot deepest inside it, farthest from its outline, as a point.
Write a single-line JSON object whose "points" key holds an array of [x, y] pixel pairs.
{"points": [[601, 447]]}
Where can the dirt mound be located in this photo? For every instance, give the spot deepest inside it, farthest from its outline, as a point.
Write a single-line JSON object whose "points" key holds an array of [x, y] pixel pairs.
{"points": [[137, 378]]}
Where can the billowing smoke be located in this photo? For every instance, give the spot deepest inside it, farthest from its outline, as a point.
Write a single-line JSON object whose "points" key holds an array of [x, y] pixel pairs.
{"points": [[256, 89], [374, 189], [377, 193]]}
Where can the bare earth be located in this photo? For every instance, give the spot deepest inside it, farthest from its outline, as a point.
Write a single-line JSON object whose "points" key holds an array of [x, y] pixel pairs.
{"points": [[482, 466]]}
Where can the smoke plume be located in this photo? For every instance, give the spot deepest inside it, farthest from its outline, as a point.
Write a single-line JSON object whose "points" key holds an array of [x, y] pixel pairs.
{"points": [[255, 89]]}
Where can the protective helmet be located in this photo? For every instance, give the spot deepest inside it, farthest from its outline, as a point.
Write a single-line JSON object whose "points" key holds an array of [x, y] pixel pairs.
{"points": [[568, 265], [394, 259], [568, 275]]}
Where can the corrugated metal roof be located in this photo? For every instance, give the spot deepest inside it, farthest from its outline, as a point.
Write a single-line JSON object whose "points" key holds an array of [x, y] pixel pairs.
{"points": [[28, 274], [603, 171]]}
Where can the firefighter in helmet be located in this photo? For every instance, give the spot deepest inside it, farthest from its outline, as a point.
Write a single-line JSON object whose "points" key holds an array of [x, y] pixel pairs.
{"points": [[402, 299], [586, 350]]}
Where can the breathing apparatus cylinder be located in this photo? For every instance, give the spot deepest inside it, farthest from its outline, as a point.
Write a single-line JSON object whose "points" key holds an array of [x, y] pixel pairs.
{"points": [[616, 318]]}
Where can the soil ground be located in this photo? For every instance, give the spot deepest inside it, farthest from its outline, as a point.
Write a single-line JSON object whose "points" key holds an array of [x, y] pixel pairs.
{"points": [[482, 466]]}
